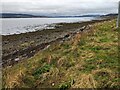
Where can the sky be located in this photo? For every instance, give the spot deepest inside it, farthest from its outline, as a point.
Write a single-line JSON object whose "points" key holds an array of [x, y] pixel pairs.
{"points": [[60, 7]]}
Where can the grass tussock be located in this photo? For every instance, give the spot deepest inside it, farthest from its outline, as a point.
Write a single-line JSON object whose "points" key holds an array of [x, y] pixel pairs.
{"points": [[88, 60]]}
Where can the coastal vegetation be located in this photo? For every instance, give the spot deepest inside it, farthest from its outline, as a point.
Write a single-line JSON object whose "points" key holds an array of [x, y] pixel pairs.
{"points": [[89, 59]]}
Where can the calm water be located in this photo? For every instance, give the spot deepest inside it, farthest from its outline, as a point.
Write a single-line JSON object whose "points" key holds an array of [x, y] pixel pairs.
{"points": [[23, 25]]}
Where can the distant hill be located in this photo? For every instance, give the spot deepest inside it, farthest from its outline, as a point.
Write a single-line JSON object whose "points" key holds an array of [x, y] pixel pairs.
{"points": [[110, 15], [74, 16], [13, 15]]}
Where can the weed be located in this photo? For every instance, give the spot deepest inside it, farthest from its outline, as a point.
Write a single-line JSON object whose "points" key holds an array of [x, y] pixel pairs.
{"points": [[66, 85], [45, 68]]}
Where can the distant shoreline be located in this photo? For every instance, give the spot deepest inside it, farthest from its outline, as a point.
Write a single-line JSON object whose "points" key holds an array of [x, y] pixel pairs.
{"points": [[52, 17], [14, 15]]}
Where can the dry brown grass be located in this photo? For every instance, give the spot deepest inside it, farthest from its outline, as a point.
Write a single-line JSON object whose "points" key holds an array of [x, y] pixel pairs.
{"points": [[13, 79], [85, 81]]}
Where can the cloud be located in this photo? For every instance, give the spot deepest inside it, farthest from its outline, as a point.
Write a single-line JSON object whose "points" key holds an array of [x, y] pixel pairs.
{"points": [[60, 7]]}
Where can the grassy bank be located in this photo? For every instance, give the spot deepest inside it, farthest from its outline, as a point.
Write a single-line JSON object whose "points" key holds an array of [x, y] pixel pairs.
{"points": [[87, 60]]}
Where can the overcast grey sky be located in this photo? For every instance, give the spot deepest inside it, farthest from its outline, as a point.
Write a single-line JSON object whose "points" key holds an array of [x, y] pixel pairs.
{"points": [[60, 7]]}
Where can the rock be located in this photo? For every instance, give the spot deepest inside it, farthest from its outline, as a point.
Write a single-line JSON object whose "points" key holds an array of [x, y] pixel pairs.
{"points": [[83, 28], [17, 59], [66, 36]]}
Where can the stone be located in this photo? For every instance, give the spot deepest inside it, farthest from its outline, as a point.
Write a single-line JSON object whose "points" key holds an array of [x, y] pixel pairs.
{"points": [[17, 59]]}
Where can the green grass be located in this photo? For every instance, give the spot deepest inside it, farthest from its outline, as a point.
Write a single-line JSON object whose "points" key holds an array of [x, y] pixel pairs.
{"points": [[41, 70], [66, 85], [89, 60]]}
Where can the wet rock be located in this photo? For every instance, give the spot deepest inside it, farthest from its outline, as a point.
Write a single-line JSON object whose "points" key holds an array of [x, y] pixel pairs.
{"points": [[66, 36]]}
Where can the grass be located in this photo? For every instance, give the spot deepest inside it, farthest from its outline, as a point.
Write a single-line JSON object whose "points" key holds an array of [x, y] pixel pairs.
{"points": [[88, 60], [41, 70]]}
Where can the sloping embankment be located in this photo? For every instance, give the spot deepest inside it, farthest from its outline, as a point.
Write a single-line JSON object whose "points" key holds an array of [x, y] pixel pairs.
{"points": [[87, 60]]}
